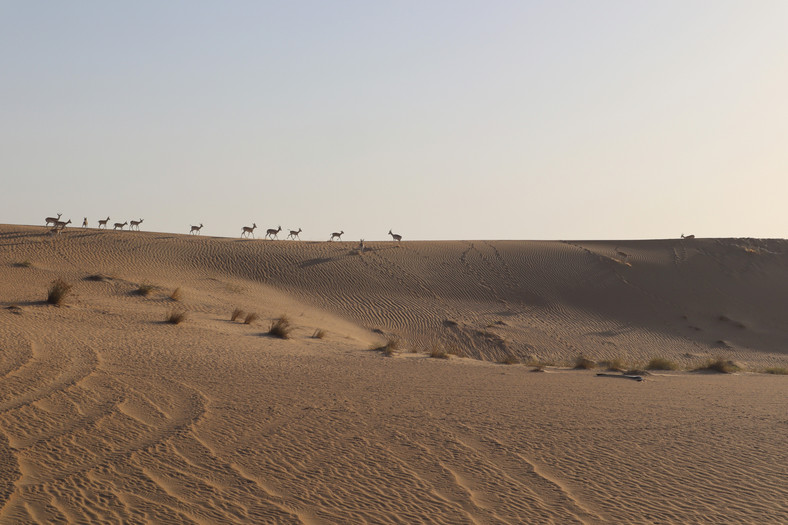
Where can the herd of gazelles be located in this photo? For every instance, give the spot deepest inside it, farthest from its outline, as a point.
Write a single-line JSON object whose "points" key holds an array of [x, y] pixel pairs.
{"points": [[246, 231]]}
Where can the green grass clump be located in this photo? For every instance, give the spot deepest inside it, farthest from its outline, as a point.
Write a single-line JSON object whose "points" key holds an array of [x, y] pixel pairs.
{"points": [[281, 327], [58, 291], [777, 370], [583, 363], [250, 318], [176, 316], [236, 314], [661, 363]]}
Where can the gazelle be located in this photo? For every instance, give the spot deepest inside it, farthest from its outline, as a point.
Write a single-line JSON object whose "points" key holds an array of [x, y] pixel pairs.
{"points": [[103, 223], [135, 224], [687, 237], [248, 230], [271, 233], [85, 222], [120, 225], [337, 235], [52, 220], [294, 234], [60, 226], [395, 237], [196, 229]]}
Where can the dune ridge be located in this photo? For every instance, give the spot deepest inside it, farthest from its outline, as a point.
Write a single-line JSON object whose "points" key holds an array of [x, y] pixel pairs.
{"points": [[108, 413]]}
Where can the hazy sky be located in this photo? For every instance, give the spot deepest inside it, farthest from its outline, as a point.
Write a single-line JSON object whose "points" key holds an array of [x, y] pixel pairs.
{"points": [[438, 119]]}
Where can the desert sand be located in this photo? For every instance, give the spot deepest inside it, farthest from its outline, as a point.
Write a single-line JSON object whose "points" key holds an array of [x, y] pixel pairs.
{"points": [[109, 414]]}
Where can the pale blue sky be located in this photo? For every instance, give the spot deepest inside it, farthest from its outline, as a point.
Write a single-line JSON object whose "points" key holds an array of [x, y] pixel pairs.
{"points": [[438, 119]]}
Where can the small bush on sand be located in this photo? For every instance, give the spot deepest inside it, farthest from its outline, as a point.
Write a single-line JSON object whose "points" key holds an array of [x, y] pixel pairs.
{"points": [[582, 363], [176, 316], [661, 363], [250, 318], [319, 334], [777, 370], [281, 327], [24, 264], [436, 351], [58, 291], [510, 360], [236, 314], [615, 364], [145, 289], [718, 365], [176, 294], [390, 348]]}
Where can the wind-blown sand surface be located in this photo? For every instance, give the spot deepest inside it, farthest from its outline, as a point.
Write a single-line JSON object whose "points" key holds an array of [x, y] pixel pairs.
{"points": [[109, 414]]}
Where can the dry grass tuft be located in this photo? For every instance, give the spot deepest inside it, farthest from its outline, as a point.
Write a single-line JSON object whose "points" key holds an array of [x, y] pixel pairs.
{"points": [[250, 318], [718, 365], [145, 289], [58, 291], [777, 370], [176, 316], [661, 363], [176, 294], [392, 345], [281, 327], [24, 264], [236, 314], [436, 351], [582, 363], [510, 360], [319, 334], [614, 364]]}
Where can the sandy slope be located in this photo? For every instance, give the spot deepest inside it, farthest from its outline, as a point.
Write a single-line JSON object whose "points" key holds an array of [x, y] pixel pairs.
{"points": [[109, 414]]}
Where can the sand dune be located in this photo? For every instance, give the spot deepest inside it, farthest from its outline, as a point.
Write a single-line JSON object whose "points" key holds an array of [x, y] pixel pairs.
{"points": [[110, 414]]}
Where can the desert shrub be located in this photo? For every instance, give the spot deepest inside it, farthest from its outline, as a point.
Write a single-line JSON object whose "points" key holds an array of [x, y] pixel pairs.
{"points": [[281, 327], [436, 351], [176, 316], [391, 347], [145, 289], [319, 334], [236, 314], [510, 360], [777, 370], [250, 318], [583, 363], [614, 364], [58, 291], [661, 363], [176, 294], [718, 365], [24, 264]]}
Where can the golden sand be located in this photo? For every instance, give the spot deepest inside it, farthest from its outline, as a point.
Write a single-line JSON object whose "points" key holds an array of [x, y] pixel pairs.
{"points": [[109, 413]]}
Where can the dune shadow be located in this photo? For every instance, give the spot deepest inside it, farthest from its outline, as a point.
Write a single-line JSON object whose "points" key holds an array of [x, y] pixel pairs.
{"points": [[314, 262]]}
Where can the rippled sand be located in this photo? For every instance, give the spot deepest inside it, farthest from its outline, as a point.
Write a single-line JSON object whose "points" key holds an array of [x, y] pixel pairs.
{"points": [[109, 414]]}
